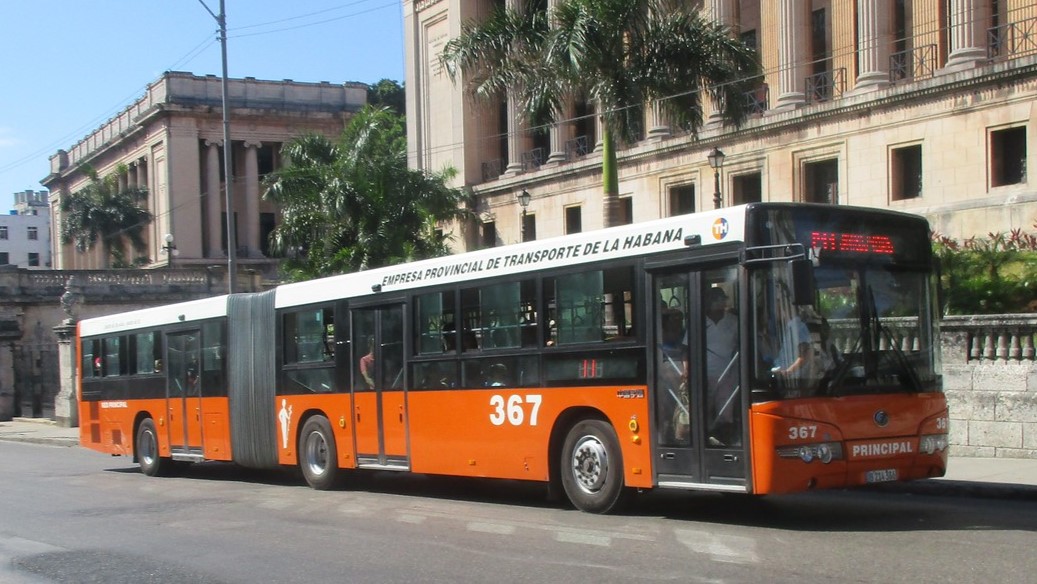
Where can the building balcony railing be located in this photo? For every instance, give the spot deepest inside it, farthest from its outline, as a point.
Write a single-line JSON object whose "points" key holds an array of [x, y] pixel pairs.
{"points": [[1014, 39], [577, 147], [913, 64], [826, 85], [491, 170], [757, 101], [533, 159]]}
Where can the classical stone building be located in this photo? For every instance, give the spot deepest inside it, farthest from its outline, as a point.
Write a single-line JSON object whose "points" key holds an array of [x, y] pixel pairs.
{"points": [[171, 142], [925, 106]]}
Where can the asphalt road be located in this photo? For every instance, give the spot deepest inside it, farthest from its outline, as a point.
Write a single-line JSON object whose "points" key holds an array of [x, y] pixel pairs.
{"points": [[74, 516]]}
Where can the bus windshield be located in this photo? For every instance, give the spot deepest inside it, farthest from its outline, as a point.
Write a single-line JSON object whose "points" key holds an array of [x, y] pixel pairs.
{"points": [[869, 331]]}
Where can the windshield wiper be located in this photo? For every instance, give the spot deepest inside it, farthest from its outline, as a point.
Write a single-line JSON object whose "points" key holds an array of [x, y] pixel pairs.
{"points": [[909, 372]]}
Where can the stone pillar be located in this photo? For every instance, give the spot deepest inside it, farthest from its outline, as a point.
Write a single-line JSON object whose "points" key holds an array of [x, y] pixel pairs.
{"points": [[213, 205], [141, 170], [793, 49], [658, 123], [875, 39], [66, 405], [724, 13], [561, 132], [516, 131], [252, 198], [967, 47], [8, 407]]}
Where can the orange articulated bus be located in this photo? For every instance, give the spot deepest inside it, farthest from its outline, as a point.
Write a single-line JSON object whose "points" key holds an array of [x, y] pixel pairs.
{"points": [[760, 349]]}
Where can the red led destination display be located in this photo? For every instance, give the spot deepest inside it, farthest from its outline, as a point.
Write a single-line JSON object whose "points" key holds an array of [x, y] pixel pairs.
{"points": [[851, 243]]}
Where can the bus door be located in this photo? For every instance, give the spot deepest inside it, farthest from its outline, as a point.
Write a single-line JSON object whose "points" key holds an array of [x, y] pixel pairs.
{"points": [[183, 394], [379, 390], [699, 411]]}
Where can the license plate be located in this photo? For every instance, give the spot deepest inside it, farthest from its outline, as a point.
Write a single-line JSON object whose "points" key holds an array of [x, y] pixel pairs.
{"points": [[881, 476]]}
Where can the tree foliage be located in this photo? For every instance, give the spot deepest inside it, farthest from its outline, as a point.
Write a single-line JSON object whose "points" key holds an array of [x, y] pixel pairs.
{"points": [[388, 93], [619, 54], [992, 275], [355, 205], [102, 213]]}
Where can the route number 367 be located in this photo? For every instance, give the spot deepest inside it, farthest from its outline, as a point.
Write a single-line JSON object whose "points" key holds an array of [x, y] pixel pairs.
{"points": [[802, 432], [513, 409]]}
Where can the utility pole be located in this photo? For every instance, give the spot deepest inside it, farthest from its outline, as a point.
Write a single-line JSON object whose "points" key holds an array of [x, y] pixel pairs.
{"points": [[228, 181]]}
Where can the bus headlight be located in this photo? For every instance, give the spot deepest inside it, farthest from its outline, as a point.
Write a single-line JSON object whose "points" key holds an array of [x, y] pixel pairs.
{"points": [[932, 443], [825, 452]]}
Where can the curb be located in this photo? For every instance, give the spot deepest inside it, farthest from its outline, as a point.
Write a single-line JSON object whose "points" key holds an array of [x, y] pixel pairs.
{"points": [[953, 488], [47, 441]]}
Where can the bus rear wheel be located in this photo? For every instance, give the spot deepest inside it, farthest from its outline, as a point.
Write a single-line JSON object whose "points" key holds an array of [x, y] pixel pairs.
{"points": [[318, 455], [151, 464], [592, 468]]}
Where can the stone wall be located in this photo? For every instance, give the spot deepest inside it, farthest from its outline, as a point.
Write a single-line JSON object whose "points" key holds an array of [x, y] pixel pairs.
{"points": [[990, 378], [31, 306]]}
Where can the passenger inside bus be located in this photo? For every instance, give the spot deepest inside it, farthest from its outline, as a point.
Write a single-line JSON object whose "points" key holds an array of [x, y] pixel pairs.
{"points": [[673, 371], [367, 364], [721, 367]]}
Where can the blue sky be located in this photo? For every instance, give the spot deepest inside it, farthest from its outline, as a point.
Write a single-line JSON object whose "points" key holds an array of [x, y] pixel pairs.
{"points": [[67, 66]]}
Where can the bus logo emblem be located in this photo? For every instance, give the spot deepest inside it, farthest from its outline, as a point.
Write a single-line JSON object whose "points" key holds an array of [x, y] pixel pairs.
{"points": [[720, 227], [881, 418]]}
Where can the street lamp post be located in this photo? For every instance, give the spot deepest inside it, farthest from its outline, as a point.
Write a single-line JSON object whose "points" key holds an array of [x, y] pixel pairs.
{"points": [[170, 248], [221, 19], [716, 162], [523, 199]]}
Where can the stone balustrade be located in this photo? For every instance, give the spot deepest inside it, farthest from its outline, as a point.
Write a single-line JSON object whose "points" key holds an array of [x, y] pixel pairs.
{"points": [[990, 378]]}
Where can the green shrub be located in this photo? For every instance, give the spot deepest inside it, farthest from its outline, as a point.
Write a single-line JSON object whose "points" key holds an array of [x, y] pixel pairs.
{"points": [[995, 275]]}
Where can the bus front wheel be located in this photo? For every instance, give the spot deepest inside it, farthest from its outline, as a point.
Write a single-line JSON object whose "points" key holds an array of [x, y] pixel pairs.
{"points": [[148, 458], [318, 455], [592, 467]]}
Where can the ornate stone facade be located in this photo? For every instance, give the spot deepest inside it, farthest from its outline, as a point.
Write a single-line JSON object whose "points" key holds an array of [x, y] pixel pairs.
{"points": [[170, 141], [924, 106]]}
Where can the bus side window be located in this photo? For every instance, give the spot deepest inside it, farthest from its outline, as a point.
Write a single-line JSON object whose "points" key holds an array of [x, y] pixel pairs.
{"points": [[435, 326], [590, 306], [507, 315]]}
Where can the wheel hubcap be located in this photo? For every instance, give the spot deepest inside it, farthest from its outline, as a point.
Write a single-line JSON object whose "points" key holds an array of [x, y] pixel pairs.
{"points": [[316, 455], [590, 464], [148, 448]]}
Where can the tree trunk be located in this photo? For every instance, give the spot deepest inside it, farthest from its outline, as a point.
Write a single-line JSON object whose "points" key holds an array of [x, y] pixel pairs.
{"points": [[610, 179]]}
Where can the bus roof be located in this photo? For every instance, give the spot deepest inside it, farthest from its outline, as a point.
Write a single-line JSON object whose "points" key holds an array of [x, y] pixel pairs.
{"points": [[650, 237], [155, 316]]}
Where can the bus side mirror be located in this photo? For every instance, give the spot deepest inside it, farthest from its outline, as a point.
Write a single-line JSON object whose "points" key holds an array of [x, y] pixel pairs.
{"points": [[804, 291]]}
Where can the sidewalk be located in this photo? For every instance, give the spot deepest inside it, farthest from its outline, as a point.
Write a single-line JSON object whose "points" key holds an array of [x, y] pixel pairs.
{"points": [[1008, 478]]}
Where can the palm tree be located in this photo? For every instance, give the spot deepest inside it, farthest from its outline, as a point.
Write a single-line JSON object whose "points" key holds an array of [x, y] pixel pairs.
{"points": [[620, 54], [356, 205], [101, 212]]}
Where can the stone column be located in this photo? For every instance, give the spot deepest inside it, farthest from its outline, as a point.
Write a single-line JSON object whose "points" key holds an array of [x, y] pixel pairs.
{"points": [[252, 198], [516, 131], [967, 47], [793, 38], [141, 169], [875, 39], [561, 132], [66, 404], [724, 13], [213, 205], [658, 123]]}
